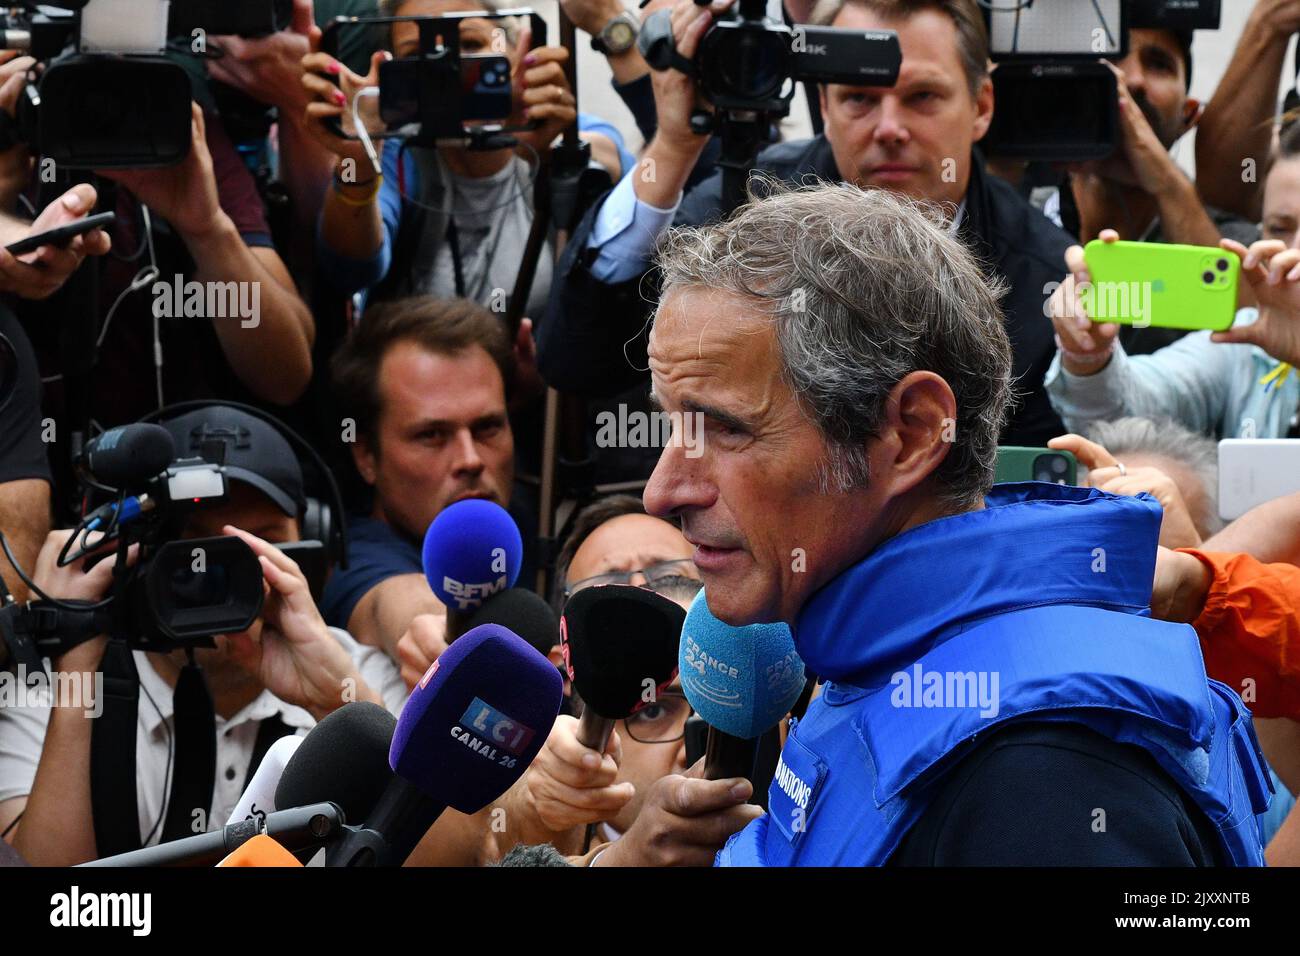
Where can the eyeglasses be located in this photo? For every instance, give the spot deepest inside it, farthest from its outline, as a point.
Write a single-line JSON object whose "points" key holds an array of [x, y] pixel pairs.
{"points": [[664, 575], [660, 722]]}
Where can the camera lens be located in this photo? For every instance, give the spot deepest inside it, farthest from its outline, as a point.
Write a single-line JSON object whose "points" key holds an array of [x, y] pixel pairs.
{"points": [[1208, 277], [1222, 265]]}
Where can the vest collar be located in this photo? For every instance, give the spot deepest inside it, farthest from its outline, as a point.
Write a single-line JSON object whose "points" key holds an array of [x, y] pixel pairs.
{"points": [[1033, 544]]}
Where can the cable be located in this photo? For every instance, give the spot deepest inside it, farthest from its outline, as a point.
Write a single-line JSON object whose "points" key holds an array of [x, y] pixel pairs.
{"points": [[167, 772], [9, 828], [35, 588]]}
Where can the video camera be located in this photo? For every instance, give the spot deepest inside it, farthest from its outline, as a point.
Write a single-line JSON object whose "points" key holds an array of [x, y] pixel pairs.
{"points": [[106, 94], [439, 93], [1054, 100], [749, 60], [178, 593]]}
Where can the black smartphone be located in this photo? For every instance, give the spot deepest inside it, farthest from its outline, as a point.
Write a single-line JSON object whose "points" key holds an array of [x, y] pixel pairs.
{"points": [[313, 560], [62, 235], [697, 738]]}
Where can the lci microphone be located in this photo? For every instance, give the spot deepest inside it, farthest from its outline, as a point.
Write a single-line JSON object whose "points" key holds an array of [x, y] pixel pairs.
{"points": [[469, 730], [741, 680], [620, 651], [472, 550]]}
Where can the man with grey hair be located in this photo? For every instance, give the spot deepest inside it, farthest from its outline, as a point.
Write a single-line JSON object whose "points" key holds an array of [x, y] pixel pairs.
{"points": [[995, 693]]}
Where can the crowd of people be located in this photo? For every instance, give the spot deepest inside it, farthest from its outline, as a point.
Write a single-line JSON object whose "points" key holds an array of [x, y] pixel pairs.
{"points": [[887, 309]]}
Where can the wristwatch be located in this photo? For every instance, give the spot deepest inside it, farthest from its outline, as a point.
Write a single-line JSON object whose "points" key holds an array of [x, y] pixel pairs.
{"points": [[617, 36]]}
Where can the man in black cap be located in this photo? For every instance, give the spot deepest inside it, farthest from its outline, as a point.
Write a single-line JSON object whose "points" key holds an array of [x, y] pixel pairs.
{"points": [[279, 677]]}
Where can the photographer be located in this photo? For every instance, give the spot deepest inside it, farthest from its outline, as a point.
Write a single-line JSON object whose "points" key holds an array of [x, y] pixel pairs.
{"points": [[24, 464], [279, 677], [446, 221], [916, 138]]}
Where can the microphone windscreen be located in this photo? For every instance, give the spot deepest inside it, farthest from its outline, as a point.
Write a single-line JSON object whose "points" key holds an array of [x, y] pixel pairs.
{"points": [[523, 612], [260, 850], [477, 718], [741, 680], [343, 760], [472, 550], [129, 455], [618, 642]]}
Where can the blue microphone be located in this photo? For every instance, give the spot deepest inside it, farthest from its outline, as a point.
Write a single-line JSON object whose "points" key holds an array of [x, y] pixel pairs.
{"points": [[472, 551], [740, 680]]}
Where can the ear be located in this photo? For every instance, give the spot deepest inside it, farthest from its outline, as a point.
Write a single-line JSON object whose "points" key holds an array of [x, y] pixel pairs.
{"points": [[366, 461], [556, 657], [919, 429], [1192, 110], [983, 110]]}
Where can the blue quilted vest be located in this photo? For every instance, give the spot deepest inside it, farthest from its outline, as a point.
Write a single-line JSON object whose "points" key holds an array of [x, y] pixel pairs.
{"points": [[1034, 608]]}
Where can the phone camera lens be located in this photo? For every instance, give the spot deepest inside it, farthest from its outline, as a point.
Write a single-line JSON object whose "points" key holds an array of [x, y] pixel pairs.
{"points": [[1222, 265], [1207, 277]]}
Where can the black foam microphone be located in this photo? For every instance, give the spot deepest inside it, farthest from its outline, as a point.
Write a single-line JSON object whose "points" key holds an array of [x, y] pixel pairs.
{"points": [[523, 612], [128, 456], [344, 760], [620, 650]]}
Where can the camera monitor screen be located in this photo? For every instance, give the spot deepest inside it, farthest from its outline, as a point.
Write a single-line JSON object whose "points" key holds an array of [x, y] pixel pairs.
{"points": [[1056, 28]]}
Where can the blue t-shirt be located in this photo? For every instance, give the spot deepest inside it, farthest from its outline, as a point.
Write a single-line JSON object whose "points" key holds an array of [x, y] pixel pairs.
{"points": [[376, 552]]}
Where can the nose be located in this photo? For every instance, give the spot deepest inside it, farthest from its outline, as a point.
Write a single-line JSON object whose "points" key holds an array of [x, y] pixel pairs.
{"points": [[890, 129], [1134, 77], [468, 461], [677, 484]]}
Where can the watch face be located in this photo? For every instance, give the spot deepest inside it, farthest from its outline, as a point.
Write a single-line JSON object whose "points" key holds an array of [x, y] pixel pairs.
{"points": [[620, 35]]}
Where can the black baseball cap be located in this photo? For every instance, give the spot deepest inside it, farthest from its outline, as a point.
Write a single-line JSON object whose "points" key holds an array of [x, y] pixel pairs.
{"points": [[255, 451]]}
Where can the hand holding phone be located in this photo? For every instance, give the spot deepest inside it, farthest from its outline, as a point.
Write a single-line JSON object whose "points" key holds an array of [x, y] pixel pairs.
{"points": [[61, 235], [1273, 272], [1161, 284]]}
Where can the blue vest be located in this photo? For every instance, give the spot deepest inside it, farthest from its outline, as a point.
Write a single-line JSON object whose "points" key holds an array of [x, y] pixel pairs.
{"points": [[1035, 608]]}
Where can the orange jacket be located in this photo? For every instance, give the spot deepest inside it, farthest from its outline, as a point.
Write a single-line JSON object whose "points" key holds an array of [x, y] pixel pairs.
{"points": [[1250, 631]]}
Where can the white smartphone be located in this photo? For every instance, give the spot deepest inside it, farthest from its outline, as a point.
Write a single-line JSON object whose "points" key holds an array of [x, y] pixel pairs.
{"points": [[1255, 470]]}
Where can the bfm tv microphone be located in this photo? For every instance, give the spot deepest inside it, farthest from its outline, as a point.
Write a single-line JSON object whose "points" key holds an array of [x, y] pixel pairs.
{"points": [[471, 551], [129, 455], [741, 680], [620, 651], [258, 798], [473, 724]]}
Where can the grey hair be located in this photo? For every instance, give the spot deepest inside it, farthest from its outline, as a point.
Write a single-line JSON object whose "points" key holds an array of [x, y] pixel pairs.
{"points": [[864, 287], [389, 8], [1167, 439]]}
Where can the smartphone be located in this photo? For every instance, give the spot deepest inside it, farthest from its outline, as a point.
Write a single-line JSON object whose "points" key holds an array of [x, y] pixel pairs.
{"points": [[1255, 470], [1161, 284], [62, 235], [313, 560], [1017, 463], [484, 89]]}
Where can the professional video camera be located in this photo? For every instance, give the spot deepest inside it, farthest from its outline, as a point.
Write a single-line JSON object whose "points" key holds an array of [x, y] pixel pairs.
{"points": [[438, 93], [748, 64], [178, 593], [105, 93], [1055, 101]]}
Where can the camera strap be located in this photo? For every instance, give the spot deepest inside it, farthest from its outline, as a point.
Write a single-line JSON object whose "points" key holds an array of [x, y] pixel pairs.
{"points": [[194, 765], [113, 799]]}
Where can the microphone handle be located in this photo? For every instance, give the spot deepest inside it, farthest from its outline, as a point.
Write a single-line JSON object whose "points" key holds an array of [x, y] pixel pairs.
{"points": [[391, 831], [594, 730], [296, 829], [727, 756], [457, 623]]}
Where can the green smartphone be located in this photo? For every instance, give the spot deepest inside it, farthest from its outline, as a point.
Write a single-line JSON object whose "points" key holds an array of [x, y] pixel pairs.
{"points": [[1016, 463], [1160, 284]]}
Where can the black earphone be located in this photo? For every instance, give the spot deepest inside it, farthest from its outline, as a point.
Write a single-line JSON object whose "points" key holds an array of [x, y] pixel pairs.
{"points": [[321, 520]]}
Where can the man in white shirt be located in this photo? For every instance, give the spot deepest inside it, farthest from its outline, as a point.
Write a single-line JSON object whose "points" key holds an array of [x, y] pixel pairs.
{"points": [[280, 676]]}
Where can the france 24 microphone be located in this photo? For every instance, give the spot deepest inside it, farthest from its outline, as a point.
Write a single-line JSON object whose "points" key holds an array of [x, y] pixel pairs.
{"points": [[471, 551], [620, 650], [469, 730], [741, 680]]}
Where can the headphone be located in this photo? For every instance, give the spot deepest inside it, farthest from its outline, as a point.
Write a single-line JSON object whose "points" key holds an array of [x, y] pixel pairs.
{"points": [[322, 518]]}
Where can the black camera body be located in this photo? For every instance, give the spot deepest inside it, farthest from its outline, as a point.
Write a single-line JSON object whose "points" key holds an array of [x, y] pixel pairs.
{"points": [[91, 109], [1054, 100], [432, 95], [749, 62]]}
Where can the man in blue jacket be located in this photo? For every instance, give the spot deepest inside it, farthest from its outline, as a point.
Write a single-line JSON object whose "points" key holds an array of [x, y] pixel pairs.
{"points": [[996, 690]]}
